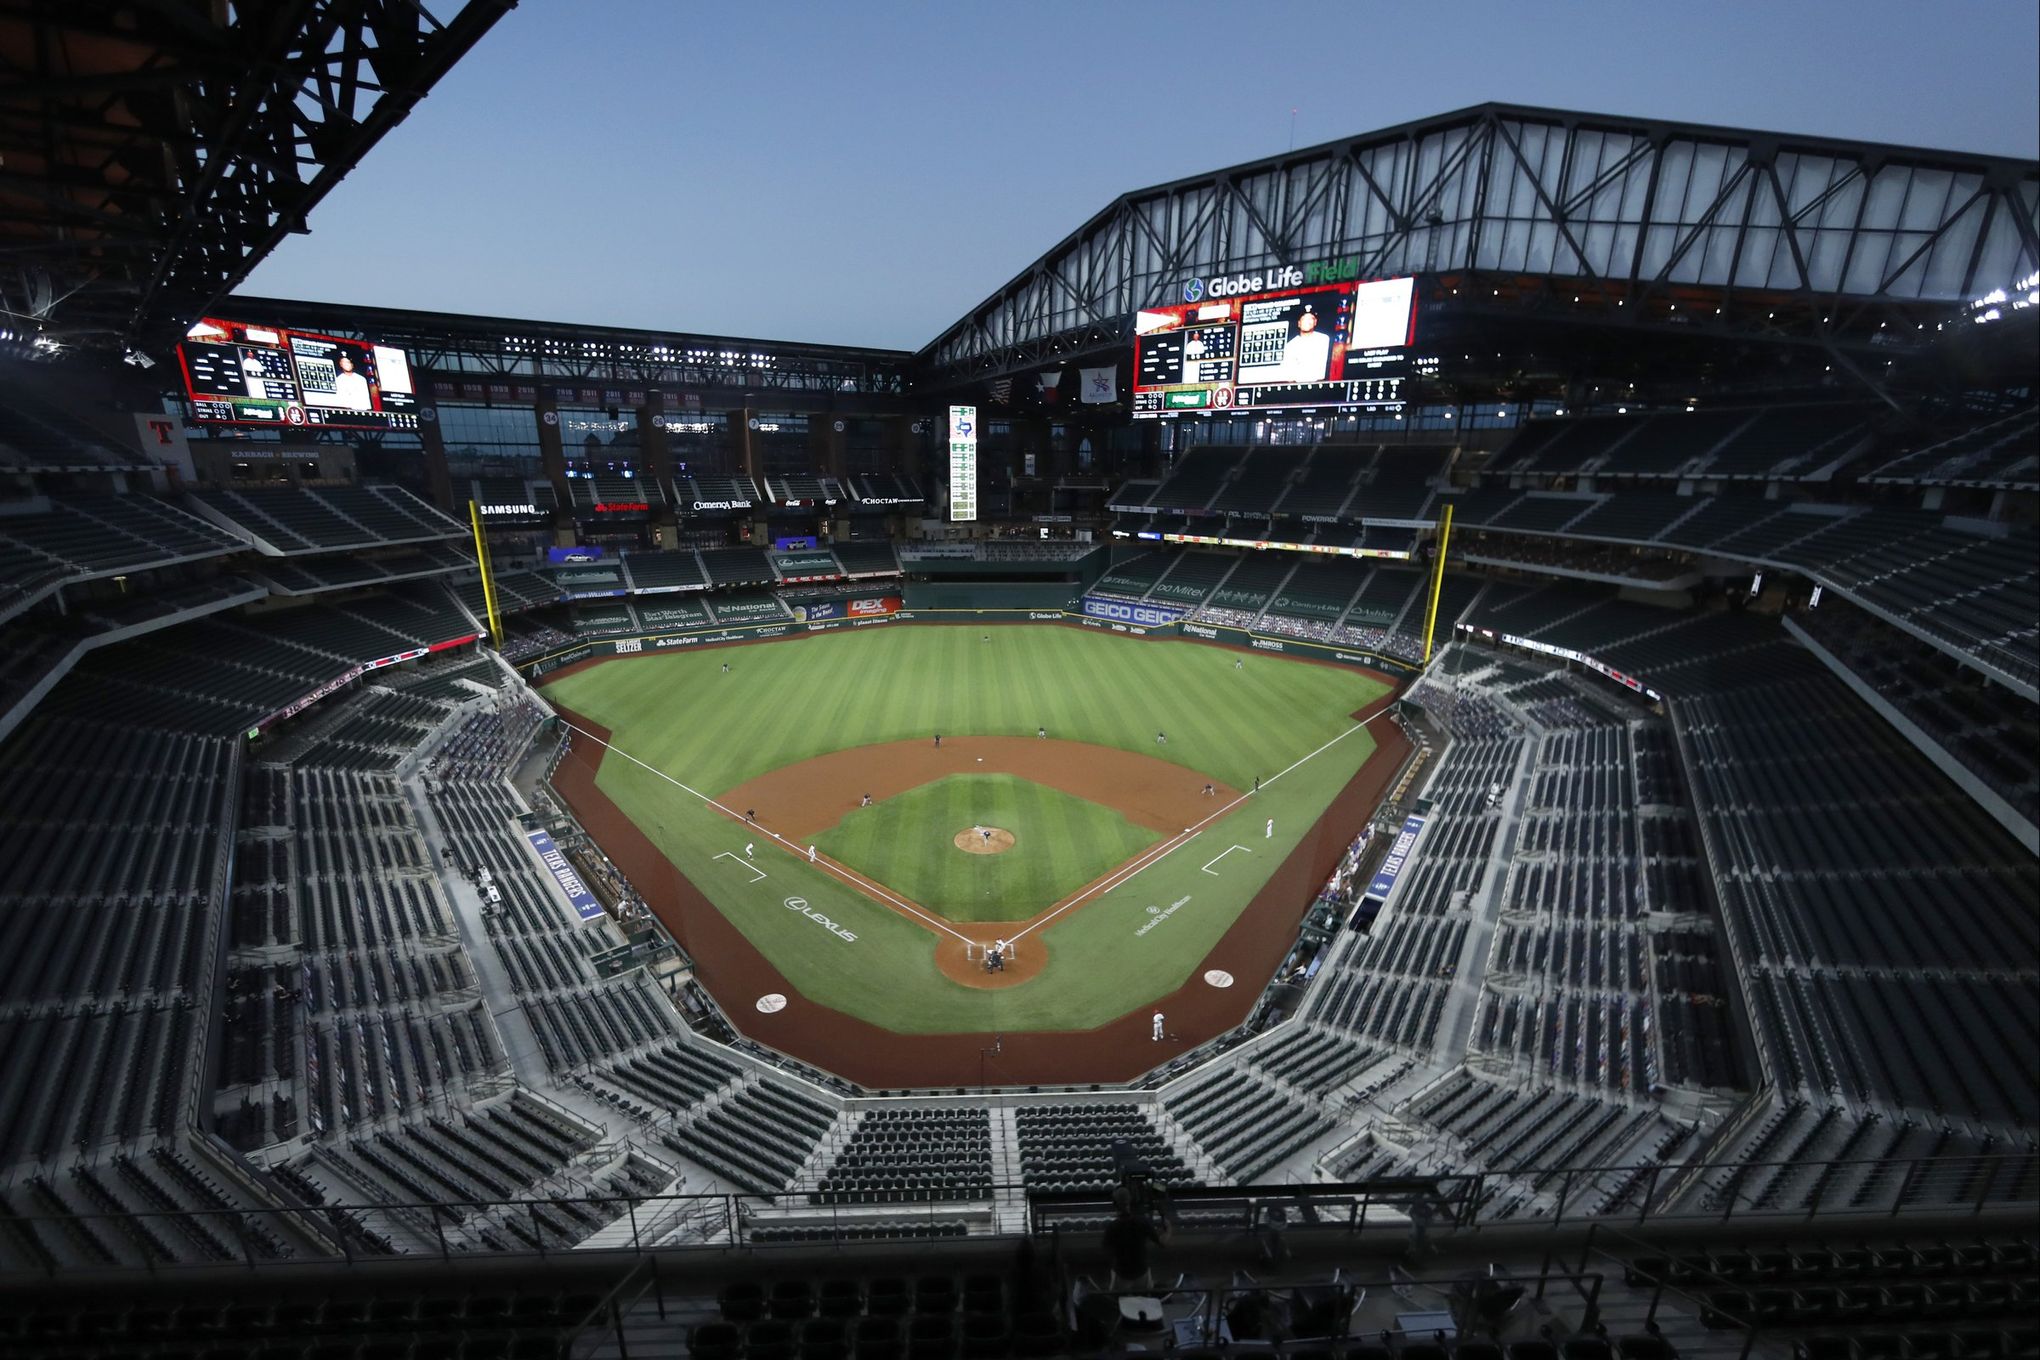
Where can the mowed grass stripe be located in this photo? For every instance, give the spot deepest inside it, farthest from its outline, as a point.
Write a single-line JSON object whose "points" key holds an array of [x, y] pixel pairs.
{"points": [[907, 842], [788, 702]]}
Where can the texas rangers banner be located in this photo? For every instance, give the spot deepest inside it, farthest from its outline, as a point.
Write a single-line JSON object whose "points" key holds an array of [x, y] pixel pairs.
{"points": [[1398, 855], [565, 875], [1101, 386]]}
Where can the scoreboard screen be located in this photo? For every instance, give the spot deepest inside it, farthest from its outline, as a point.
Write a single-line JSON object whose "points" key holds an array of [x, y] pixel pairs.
{"points": [[241, 374], [1228, 349]]}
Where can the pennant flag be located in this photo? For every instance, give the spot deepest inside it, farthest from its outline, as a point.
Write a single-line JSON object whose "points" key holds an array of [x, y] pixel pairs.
{"points": [[1002, 391], [1101, 385]]}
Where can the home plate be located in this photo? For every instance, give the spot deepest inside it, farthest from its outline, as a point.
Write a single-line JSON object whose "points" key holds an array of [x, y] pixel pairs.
{"points": [[1217, 977], [774, 1002]]}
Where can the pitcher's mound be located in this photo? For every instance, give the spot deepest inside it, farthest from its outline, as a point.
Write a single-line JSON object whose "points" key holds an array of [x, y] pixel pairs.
{"points": [[984, 840]]}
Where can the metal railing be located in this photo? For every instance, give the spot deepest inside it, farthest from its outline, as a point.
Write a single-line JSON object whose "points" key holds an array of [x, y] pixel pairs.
{"points": [[1455, 1203]]}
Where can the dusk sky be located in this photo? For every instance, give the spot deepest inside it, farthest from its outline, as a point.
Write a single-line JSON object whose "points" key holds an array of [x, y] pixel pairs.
{"points": [[864, 173]]}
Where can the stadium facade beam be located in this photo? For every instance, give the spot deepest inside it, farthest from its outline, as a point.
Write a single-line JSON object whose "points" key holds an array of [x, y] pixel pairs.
{"points": [[448, 347], [1804, 239], [213, 130]]}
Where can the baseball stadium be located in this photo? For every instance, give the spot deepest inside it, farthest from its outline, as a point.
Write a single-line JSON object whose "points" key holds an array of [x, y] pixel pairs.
{"points": [[1423, 748]]}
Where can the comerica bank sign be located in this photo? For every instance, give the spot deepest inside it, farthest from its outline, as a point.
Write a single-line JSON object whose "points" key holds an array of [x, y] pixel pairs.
{"points": [[1281, 276]]}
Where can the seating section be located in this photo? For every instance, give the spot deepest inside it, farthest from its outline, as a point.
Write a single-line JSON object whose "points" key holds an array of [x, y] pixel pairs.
{"points": [[1327, 481], [737, 567], [1535, 1143], [1827, 830], [462, 1174], [1983, 726], [38, 435], [80, 537], [1135, 576], [867, 559], [898, 1155], [717, 492], [1260, 479], [1191, 577], [1999, 453], [107, 931], [748, 606], [1247, 1125], [1401, 484], [1318, 592], [1070, 1147], [320, 519], [671, 615], [1196, 478], [345, 571], [757, 1135], [885, 489], [655, 571], [1769, 444], [806, 566]]}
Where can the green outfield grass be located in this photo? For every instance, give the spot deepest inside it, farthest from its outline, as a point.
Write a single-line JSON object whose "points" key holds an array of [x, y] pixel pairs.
{"points": [[1060, 843], [692, 726]]}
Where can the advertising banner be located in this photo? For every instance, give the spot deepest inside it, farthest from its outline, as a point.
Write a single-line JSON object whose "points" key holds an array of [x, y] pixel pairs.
{"points": [[1398, 855], [555, 860], [547, 665], [816, 612], [1126, 611], [795, 542], [584, 553], [298, 706]]}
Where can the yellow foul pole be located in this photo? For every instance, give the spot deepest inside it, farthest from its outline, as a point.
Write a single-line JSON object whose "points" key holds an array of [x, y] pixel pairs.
{"points": [[1437, 582], [488, 581]]}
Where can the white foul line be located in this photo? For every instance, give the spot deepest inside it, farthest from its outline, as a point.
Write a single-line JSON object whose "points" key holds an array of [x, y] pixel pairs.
{"points": [[860, 883], [1221, 855], [1169, 847], [758, 875]]}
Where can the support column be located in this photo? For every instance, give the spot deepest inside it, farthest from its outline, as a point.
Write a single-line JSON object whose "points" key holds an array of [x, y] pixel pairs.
{"points": [[438, 477], [655, 460], [552, 458], [827, 440], [744, 445]]}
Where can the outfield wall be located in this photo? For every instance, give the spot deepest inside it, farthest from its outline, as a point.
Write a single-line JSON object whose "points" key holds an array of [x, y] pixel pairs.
{"points": [[650, 644]]}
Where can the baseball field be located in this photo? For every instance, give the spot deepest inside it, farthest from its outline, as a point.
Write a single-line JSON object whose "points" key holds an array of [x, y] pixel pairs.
{"points": [[1092, 801]]}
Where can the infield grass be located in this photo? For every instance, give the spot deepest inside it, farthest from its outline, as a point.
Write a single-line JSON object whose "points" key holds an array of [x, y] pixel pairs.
{"points": [[790, 701], [1060, 843]]}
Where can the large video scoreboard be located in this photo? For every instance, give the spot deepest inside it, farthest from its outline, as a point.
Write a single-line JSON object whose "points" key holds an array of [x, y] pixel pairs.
{"points": [[241, 374], [1274, 341]]}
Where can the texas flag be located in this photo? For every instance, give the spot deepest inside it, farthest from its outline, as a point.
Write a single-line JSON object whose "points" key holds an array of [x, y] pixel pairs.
{"points": [[1051, 382], [1101, 385]]}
